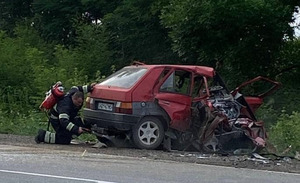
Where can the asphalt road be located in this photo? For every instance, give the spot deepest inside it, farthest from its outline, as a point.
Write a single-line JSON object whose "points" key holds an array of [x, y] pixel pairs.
{"points": [[31, 164]]}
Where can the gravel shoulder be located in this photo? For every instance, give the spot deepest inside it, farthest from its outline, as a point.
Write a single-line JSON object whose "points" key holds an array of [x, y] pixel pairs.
{"points": [[272, 164]]}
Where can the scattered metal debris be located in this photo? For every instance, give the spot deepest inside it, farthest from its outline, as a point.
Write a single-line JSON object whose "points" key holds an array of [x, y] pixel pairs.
{"points": [[257, 156], [287, 159], [83, 153], [99, 145], [259, 160], [286, 150], [297, 155]]}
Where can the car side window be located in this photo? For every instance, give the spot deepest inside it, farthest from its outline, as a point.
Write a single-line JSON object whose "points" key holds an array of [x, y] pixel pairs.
{"points": [[178, 82], [163, 74], [198, 86]]}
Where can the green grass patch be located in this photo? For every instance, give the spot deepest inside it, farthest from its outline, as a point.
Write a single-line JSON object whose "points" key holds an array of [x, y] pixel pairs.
{"points": [[286, 133], [22, 124]]}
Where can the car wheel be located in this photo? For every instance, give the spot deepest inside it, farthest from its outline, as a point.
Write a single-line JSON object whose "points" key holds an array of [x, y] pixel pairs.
{"points": [[148, 133]]}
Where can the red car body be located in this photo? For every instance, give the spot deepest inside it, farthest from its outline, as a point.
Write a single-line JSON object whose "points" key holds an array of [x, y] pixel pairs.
{"points": [[152, 102]]}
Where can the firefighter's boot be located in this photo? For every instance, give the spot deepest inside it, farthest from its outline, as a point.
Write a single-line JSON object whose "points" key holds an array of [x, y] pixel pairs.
{"points": [[49, 137], [40, 136]]}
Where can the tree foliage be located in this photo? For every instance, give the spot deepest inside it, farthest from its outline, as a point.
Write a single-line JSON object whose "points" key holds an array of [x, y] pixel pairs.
{"points": [[14, 11], [241, 35], [96, 9], [17, 62], [57, 20], [135, 33], [92, 51], [54, 19]]}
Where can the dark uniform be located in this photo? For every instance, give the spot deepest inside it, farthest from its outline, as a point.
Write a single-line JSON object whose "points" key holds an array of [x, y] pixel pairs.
{"points": [[64, 119]]}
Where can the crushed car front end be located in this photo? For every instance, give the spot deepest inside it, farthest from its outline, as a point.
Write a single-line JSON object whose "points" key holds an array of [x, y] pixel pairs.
{"points": [[230, 123]]}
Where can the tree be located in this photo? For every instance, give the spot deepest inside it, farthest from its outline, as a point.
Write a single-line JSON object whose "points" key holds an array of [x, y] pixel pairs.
{"points": [[12, 12], [96, 9], [54, 19], [243, 36], [92, 53], [134, 32], [57, 19], [17, 63], [287, 72]]}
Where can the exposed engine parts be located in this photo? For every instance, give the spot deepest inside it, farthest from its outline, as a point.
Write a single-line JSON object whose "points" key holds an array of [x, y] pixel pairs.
{"points": [[224, 102]]}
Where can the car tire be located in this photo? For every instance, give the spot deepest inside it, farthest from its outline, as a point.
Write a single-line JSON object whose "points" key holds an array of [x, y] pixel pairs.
{"points": [[148, 133]]}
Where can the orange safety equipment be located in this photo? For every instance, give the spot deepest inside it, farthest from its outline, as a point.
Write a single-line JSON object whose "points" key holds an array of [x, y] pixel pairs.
{"points": [[52, 96]]}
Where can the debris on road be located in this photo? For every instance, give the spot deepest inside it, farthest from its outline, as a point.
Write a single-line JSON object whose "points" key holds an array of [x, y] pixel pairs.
{"points": [[99, 145], [297, 155], [22, 144]]}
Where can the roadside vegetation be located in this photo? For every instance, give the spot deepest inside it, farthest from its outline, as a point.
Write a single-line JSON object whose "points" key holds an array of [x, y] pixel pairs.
{"points": [[82, 41]]}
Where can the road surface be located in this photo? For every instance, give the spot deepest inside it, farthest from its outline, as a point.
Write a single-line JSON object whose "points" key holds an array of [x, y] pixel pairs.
{"points": [[39, 164]]}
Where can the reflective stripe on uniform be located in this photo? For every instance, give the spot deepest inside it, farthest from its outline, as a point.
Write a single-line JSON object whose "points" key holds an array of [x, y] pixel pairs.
{"points": [[49, 137], [74, 87], [64, 115], [52, 138], [53, 117], [55, 107], [70, 126], [85, 88]]}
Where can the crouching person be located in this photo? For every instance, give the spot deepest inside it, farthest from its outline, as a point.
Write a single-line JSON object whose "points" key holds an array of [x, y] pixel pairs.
{"points": [[64, 118]]}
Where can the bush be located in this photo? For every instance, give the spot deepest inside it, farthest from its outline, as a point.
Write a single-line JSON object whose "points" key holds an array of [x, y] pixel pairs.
{"points": [[286, 133], [22, 124], [267, 114]]}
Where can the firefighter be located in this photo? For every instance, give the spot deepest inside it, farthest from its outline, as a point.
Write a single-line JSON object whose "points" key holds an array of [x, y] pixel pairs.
{"points": [[64, 118]]}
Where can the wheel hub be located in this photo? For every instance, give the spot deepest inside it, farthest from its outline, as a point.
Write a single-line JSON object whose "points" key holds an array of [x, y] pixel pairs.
{"points": [[148, 133]]}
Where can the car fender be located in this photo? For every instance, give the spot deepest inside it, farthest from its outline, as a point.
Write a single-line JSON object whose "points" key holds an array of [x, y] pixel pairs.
{"points": [[144, 109]]}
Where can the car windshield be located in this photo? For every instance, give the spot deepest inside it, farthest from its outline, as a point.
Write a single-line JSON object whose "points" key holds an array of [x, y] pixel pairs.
{"points": [[125, 78]]}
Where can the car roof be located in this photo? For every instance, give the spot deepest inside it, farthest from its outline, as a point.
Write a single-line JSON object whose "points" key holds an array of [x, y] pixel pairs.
{"points": [[202, 70]]}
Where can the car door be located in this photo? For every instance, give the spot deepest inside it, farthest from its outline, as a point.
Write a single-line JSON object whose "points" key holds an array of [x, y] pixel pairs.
{"points": [[262, 85], [174, 96]]}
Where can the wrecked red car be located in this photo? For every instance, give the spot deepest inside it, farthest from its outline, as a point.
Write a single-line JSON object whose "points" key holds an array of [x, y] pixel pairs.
{"points": [[177, 107]]}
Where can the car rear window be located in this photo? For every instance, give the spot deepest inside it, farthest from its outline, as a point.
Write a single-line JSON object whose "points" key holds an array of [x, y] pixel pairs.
{"points": [[125, 78]]}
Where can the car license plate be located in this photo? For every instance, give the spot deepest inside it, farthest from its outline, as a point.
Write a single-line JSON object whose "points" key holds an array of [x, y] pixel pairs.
{"points": [[105, 106]]}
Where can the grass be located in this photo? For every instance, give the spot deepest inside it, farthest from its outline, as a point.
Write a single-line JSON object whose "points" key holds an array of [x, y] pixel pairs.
{"points": [[22, 124]]}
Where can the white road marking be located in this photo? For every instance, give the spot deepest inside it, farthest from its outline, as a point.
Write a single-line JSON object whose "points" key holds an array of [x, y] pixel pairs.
{"points": [[54, 176]]}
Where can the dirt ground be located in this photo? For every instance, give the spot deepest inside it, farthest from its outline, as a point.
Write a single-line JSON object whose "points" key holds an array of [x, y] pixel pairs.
{"points": [[271, 163]]}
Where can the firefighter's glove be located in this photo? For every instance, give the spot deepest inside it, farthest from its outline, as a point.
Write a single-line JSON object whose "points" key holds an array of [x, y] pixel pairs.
{"points": [[86, 130], [80, 130], [91, 87], [83, 130]]}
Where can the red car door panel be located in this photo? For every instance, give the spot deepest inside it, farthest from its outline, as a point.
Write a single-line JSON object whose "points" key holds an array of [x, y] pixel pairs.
{"points": [[178, 108]]}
